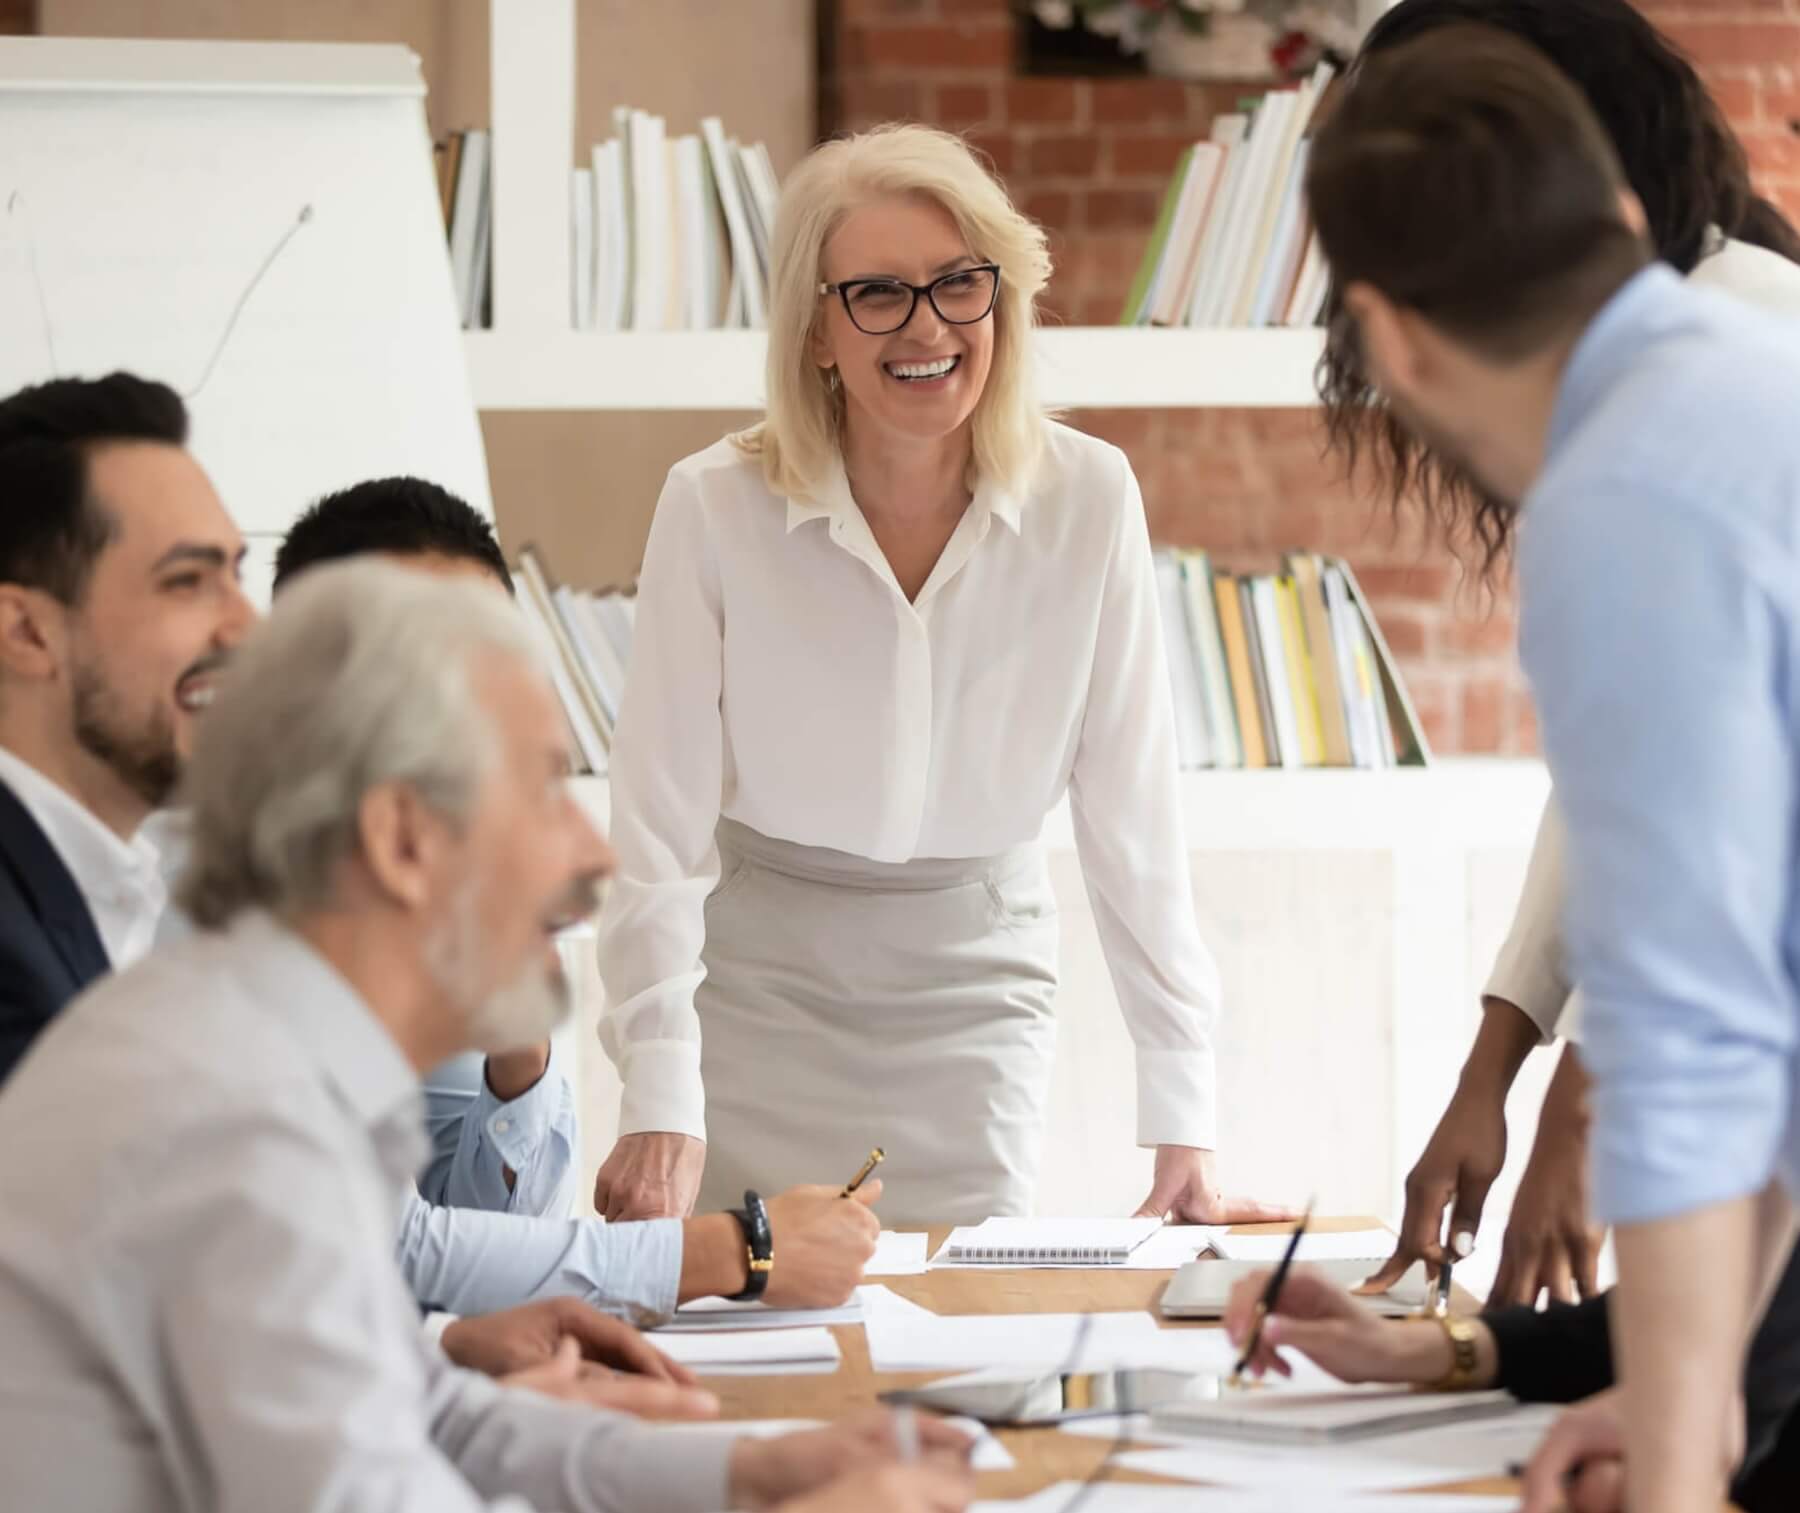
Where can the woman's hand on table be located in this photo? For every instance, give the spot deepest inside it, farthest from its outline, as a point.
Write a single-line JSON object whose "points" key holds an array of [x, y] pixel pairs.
{"points": [[1339, 1332], [1185, 1190], [654, 1175]]}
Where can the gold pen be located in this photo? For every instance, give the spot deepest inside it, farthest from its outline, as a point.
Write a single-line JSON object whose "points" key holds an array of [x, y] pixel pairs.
{"points": [[876, 1157]]}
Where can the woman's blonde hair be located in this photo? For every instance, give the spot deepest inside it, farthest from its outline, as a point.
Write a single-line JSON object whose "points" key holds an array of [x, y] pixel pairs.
{"points": [[802, 434]]}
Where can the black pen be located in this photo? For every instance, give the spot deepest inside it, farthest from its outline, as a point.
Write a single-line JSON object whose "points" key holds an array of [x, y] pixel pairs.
{"points": [[876, 1157], [1266, 1305]]}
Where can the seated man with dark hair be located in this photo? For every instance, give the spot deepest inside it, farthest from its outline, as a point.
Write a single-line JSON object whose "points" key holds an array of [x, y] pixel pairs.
{"points": [[398, 517], [504, 1131]]}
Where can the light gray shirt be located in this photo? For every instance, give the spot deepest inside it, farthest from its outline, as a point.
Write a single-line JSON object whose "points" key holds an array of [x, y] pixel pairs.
{"points": [[199, 1307]]}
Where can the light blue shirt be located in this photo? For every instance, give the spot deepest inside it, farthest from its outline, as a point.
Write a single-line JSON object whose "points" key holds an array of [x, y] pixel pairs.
{"points": [[476, 1137], [1659, 572]]}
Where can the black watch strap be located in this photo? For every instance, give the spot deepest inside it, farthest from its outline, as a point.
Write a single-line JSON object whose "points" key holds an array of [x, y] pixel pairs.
{"points": [[759, 1241]]}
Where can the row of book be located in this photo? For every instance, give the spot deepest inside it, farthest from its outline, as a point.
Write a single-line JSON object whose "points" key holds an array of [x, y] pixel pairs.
{"points": [[585, 639], [465, 189], [1232, 245], [671, 233], [1285, 669]]}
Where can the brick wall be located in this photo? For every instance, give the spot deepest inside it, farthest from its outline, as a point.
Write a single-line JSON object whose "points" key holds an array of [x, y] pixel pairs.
{"points": [[1089, 158]]}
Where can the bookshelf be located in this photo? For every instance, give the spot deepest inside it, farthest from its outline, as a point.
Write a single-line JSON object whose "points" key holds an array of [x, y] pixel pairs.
{"points": [[531, 359]]}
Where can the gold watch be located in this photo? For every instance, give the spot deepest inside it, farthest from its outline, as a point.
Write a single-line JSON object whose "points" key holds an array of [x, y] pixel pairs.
{"points": [[1461, 1375]]}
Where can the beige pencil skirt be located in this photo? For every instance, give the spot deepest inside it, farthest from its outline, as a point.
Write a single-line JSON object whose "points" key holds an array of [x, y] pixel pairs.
{"points": [[850, 1003]]}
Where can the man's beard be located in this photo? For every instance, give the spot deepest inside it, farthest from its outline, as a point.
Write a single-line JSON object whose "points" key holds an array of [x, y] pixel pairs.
{"points": [[522, 1012], [141, 754]]}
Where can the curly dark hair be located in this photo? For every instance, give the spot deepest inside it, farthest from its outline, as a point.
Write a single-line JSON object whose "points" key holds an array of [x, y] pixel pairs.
{"points": [[1679, 155]]}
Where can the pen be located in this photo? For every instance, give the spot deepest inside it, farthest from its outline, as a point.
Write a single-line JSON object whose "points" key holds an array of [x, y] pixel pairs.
{"points": [[1440, 1305], [876, 1157], [1266, 1304]]}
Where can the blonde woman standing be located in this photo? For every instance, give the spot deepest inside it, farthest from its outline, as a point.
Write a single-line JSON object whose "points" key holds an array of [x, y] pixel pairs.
{"points": [[878, 637]]}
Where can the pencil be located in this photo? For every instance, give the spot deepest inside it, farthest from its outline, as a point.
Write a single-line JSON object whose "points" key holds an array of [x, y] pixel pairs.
{"points": [[1266, 1304]]}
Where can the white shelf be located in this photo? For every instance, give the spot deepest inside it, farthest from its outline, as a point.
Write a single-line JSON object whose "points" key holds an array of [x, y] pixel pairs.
{"points": [[1458, 804], [532, 360], [1080, 367]]}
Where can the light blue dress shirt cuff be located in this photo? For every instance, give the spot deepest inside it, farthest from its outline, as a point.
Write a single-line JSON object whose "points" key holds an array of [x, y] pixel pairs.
{"points": [[465, 1261], [477, 1137]]}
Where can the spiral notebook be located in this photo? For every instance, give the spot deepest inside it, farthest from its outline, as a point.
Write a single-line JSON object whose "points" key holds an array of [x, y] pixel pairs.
{"points": [[1047, 1242]]}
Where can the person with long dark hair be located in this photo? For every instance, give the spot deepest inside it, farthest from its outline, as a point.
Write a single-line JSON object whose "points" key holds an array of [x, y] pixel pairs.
{"points": [[1706, 220]]}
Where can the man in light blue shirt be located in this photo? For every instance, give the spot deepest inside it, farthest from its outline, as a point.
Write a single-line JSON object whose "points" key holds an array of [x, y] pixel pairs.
{"points": [[1492, 271]]}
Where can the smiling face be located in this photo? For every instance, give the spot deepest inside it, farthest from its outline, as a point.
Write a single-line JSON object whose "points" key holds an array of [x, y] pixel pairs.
{"points": [[161, 612], [923, 381]]}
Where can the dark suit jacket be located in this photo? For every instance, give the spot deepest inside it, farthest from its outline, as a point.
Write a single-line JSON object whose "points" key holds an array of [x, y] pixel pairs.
{"points": [[49, 947]]}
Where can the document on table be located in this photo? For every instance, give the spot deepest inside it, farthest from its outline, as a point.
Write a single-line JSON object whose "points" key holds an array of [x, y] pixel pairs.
{"points": [[1041, 1342], [1074, 1244], [724, 1313], [988, 1453], [1127, 1497], [752, 1352], [1372, 1245], [1393, 1463], [898, 1254]]}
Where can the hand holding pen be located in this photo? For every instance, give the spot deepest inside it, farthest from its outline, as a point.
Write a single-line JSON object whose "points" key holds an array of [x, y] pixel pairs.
{"points": [[1270, 1298]]}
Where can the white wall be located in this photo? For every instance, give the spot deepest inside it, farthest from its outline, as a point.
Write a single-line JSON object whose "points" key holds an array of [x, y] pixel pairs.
{"points": [[1354, 917]]}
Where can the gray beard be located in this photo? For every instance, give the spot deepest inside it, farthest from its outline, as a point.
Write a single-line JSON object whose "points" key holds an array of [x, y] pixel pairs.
{"points": [[520, 1013]]}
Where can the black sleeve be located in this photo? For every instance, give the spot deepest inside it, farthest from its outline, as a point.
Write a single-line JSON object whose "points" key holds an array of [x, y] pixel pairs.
{"points": [[1558, 1356]]}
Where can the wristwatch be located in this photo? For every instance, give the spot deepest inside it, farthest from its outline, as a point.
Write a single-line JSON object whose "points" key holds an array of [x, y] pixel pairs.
{"points": [[759, 1241], [1461, 1375]]}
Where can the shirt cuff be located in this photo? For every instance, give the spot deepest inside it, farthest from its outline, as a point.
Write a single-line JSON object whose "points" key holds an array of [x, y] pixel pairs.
{"points": [[1532, 986], [663, 1093], [673, 1468], [518, 1127], [1177, 1100], [436, 1322]]}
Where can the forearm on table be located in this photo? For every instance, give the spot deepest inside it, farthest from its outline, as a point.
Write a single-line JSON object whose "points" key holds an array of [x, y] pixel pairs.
{"points": [[715, 1261], [1682, 1311]]}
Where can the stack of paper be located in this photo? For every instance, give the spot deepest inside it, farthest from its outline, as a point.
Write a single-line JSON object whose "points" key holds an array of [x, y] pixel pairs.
{"points": [[1395, 1462], [1127, 1497], [728, 1314], [753, 1352]]}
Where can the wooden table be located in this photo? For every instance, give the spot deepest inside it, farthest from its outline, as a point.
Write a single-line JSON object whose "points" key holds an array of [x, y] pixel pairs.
{"points": [[1043, 1456]]}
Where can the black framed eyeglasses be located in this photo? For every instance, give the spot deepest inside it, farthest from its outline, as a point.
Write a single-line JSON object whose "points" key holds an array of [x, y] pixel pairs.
{"points": [[881, 306]]}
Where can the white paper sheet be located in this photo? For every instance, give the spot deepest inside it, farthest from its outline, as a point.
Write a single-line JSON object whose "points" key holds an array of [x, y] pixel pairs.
{"points": [[1127, 1497], [749, 1351], [988, 1455], [1396, 1462], [898, 1254], [1040, 1342], [1372, 1245], [719, 1314]]}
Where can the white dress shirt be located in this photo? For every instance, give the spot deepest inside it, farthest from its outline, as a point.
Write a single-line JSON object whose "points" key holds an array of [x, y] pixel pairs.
{"points": [[1531, 972], [780, 677], [197, 1289], [120, 881]]}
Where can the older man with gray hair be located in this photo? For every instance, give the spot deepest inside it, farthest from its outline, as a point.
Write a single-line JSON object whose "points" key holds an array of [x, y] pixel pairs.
{"points": [[197, 1286]]}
